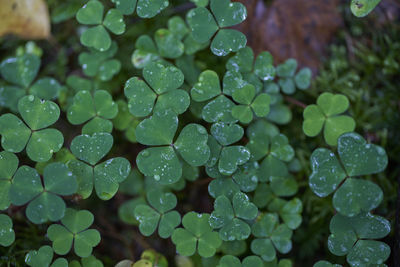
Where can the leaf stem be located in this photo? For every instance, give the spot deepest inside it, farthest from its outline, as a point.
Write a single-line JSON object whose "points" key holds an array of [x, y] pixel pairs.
{"points": [[295, 102]]}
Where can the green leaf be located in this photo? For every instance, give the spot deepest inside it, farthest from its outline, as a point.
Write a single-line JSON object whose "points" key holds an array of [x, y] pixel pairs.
{"points": [[287, 69], [21, 194], [261, 104], [200, 3], [326, 264], [158, 129], [242, 113], [178, 27], [228, 216], [283, 187], [242, 61], [357, 195], [223, 187], [162, 78], [247, 176], [264, 66], [326, 113], [43, 144], [58, 179], [350, 235], [141, 97], [231, 158], [126, 7], [361, 8], [162, 217], [244, 95], [226, 134], [303, 78], [91, 13], [280, 114], [314, 120], [243, 207], [126, 210], [192, 144], [169, 46], [8, 166], [229, 261], [161, 163], [360, 158], [114, 21], [150, 8], [46, 204], [202, 24], [331, 104], [233, 81], [219, 110], [41, 257], [207, 87], [227, 13], [7, 234], [96, 37], [264, 248], [265, 226], [227, 41], [108, 175], [291, 213], [84, 175], [108, 69], [38, 114], [281, 149], [336, 126], [197, 233], [14, 133], [368, 252], [46, 88], [148, 219], [287, 85], [177, 100], [74, 231], [9, 96], [327, 172], [45, 207], [20, 70], [91, 149], [99, 63], [97, 125], [145, 52]]}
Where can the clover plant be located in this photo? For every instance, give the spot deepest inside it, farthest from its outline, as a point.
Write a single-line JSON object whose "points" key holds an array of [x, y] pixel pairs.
{"points": [[44, 200], [197, 235], [104, 177], [184, 131], [97, 36], [230, 217], [40, 142], [158, 214], [20, 73], [326, 115], [74, 231]]}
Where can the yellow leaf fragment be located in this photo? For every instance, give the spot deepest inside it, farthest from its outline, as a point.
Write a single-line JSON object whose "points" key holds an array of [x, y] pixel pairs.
{"points": [[29, 19]]}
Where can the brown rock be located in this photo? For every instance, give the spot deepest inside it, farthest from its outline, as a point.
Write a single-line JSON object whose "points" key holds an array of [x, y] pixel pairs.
{"points": [[301, 29]]}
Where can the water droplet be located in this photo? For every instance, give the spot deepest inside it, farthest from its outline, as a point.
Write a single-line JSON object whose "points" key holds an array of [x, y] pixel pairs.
{"points": [[145, 153], [31, 98], [201, 130], [157, 177]]}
